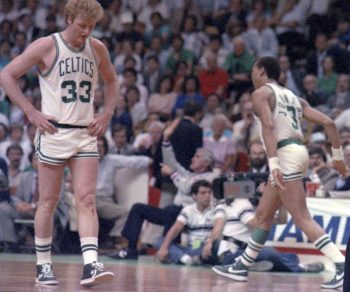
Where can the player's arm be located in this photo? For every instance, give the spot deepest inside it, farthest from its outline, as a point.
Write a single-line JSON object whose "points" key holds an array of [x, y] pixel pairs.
{"points": [[330, 127], [33, 55], [109, 77], [263, 103], [173, 232]]}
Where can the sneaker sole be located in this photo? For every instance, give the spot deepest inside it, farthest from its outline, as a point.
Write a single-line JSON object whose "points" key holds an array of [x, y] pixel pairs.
{"points": [[231, 276], [49, 282], [99, 279], [335, 286]]}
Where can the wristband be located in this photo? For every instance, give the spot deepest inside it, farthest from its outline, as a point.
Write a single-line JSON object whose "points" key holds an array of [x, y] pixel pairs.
{"points": [[337, 154], [273, 163]]}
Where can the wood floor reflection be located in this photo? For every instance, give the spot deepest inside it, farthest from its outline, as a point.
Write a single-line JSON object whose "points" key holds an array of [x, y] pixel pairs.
{"points": [[17, 274]]}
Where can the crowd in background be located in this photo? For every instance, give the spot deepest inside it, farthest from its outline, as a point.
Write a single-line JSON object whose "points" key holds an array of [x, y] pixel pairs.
{"points": [[190, 59]]}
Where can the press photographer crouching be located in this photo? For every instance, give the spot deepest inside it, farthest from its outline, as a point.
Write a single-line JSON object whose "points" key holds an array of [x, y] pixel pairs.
{"points": [[234, 219]]}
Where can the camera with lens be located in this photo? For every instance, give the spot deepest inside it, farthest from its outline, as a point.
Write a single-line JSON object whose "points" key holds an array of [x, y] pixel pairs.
{"points": [[239, 185]]}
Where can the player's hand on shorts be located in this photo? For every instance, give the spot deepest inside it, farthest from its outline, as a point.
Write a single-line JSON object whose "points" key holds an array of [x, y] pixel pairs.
{"points": [[162, 254], [99, 125], [42, 122], [340, 166], [278, 178]]}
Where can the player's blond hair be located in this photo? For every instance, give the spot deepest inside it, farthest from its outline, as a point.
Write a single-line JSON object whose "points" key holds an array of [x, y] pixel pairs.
{"points": [[91, 8]]}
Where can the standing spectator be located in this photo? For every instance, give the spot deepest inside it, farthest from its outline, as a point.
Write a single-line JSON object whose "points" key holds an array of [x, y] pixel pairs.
{"points": [[151, 73], [136, 107], [188, 136], [14, 155], [122, 116]]}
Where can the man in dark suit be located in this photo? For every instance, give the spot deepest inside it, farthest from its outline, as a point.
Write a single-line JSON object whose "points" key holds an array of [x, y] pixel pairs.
{"points": [[188, 136]]}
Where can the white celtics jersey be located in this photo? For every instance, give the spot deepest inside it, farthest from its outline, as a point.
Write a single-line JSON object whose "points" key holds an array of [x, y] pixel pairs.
{"points": [[286, 114], [68, 86]]}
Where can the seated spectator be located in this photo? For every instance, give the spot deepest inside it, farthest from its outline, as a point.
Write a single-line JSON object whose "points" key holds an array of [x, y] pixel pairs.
{"points": [[197, 218], [194, 39], [344, 135], [178, 53], [127, 50], [246, 129], [163, 100], [234, 220], [212, 107], [214, 46], [130, 80], [151, 74], [136, 108], [106, 205], [200, 168], [14, 155], [260, 39], [158, 28], [311, 93], [326, 176], [213, 79], [341, 99], [221, 146], [238, 64], [120, 141], [343, 120], [190, 91], [343, 183], [327, 83], [293, 77], [122, 116]]}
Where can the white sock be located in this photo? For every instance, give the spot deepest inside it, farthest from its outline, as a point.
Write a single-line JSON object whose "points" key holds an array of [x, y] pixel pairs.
{"points": [[186, 259], [43, 250], [329, 249], [89, 247]]}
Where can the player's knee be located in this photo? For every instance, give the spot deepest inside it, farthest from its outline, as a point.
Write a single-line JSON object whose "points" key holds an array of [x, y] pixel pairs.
{"points": [[87, 201], [49, 203]]}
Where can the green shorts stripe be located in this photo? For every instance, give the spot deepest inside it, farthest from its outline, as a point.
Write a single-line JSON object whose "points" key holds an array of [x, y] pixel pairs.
{"points": [[50, 160]]}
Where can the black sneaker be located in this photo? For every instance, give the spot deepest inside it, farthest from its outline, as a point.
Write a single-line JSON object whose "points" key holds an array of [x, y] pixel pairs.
{"points": [[235, 272], [316, 267], [94, 274], [338, 279], [124, 254], [44, 275]]}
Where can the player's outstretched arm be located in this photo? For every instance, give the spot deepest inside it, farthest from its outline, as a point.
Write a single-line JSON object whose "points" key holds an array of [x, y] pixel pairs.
{"points": [[330, 127]]}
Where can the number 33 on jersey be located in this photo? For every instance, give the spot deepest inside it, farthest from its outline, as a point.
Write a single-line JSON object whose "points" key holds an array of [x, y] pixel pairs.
{"points": [[72, 76]]}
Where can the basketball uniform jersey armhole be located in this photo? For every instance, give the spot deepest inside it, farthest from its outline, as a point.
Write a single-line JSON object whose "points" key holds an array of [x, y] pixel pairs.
{"points": [[274, 94], [93, 52], [43, 75]]}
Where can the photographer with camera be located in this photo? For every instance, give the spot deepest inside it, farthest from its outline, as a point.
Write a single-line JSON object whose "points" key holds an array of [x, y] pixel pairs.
{"points": [[234, 219]]}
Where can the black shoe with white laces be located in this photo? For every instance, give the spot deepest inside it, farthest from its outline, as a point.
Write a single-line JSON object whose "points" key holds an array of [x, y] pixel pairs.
{"points": [[95, 274], [44, 275]]}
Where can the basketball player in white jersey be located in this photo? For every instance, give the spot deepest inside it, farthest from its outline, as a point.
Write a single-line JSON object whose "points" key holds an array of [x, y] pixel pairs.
{"points": [[278, 112], [69, 64]]}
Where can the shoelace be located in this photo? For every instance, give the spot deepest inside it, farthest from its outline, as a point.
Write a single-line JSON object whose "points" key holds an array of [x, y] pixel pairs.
{"points": [[98, 266]]}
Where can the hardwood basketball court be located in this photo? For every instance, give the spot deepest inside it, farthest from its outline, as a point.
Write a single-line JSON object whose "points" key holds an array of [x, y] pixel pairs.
{"points": [[17, 273]]}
